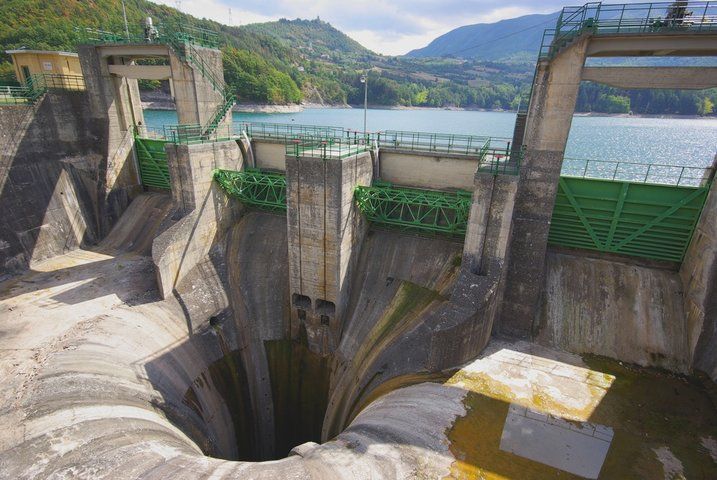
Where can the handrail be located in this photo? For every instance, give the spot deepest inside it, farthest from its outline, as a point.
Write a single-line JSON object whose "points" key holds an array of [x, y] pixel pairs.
{"points": [[493, 154], [36, 85], [433, 142], [179, 32], [325, 148], [655, 173], [635, 18]]}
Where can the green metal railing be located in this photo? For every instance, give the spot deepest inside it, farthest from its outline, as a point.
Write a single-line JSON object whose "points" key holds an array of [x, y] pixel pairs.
{"points": [[596, 18], [196, 35], [161, 34], [197, 60], [36, 86], [637, 219], [48, 81], [14, 95], [623, 19], [326, 148], [154, 133], [434, 142], [504, 161], [414, 210], [263, 190], [282, 131], [189, 134], [638, 172]]}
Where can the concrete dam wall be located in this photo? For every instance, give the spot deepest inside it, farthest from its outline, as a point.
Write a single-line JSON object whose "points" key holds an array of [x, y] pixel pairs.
{"points": [[286, 387], [53, 191], [339, 309]]}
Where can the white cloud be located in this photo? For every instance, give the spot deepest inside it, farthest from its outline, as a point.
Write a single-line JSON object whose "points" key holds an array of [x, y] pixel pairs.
{"points": [[392, 45], [385, 26]]}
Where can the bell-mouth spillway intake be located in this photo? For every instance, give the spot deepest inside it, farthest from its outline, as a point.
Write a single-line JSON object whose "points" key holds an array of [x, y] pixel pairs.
{"points": [[219, 300]]}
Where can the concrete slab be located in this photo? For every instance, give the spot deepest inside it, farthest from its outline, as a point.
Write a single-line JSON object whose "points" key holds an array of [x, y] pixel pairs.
{"points": [[571, 447]]}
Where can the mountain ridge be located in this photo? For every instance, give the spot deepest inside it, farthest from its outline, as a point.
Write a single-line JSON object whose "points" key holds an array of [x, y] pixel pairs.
{"points": [[294, 61], [525, 33]]}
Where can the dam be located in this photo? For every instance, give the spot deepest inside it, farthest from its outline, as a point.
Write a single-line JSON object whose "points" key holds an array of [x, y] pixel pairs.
{"points": [[223, 300]]}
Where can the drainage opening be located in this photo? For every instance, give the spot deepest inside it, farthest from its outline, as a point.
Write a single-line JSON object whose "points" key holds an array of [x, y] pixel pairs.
{"points": [[299, 385]]}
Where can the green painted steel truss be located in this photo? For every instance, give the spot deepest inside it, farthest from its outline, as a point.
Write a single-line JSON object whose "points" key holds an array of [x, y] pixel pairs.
{"points": [[638, 219], [415, 210], [152, 159], [263, 190]]}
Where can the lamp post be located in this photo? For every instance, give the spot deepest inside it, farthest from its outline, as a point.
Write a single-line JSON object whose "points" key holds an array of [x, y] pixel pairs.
{"points": [[364, 80], [124, 14]]}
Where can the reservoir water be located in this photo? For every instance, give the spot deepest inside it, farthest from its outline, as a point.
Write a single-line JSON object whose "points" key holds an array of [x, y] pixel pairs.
{"points": [[684, 141]]}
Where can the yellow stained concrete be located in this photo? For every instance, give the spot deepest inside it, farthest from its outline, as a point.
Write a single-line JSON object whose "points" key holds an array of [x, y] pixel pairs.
{"points": [[663, 424]]}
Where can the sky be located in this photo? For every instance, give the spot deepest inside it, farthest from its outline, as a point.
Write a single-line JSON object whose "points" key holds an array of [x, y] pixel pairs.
{"points": [[390, 27]]}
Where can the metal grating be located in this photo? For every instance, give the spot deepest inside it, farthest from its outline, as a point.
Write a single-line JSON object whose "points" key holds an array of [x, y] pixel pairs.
{"points": [[152, 159]]}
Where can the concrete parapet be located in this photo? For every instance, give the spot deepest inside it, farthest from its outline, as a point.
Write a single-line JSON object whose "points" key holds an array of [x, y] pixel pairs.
{"points": [[59, 187], [427, 170], [187, 243], [191, 167], [547, 127], [270, 154], [490, 220], [195, 97], [618, 309], [325, 234]]}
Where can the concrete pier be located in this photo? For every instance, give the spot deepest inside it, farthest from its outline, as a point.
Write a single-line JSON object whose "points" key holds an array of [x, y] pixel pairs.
{"points": [[550, 113], [325, 235]]}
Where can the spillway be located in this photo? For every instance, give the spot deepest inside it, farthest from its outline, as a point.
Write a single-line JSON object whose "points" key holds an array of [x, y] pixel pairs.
{"points": [[263, 301]]}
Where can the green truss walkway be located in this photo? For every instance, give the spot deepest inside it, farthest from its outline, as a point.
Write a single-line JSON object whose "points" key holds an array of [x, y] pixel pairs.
{"points": [[414, 210], [263, 190]]}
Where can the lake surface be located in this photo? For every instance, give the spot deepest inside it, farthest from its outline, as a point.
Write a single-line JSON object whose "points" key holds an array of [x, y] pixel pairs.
{"points": [[687, 142]]}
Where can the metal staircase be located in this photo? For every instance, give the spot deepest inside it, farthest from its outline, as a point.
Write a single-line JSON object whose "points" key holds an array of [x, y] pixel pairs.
{"points": [[187, 52]]}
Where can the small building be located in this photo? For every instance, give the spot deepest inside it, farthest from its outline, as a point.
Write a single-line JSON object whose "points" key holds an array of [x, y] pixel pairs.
{"points": [[32, 62]]}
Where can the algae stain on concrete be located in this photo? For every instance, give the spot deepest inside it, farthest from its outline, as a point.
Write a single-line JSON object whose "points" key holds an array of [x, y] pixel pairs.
{"points": [[300, 390], [409, 301], [650, 411], [229, 378]]}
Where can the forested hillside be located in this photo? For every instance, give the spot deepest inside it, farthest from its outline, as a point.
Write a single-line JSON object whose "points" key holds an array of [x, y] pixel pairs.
{"points": [[512, 39], [290, 61]]}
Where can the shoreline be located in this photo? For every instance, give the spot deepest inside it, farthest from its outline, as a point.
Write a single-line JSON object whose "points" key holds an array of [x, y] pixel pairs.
{"points": [[262, 108]]}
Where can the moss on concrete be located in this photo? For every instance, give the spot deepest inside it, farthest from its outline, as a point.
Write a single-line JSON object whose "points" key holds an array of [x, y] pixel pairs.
{"points": [[229, 377], [648, 410], [405, 308], [300, 389]]}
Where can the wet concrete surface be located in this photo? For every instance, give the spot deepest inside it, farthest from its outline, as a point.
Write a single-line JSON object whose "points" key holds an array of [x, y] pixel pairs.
{"points": [[536, 413]]}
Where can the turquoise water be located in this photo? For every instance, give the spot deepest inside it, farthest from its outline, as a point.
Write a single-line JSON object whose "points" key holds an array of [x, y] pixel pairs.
{"points": [[688, 142]]}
